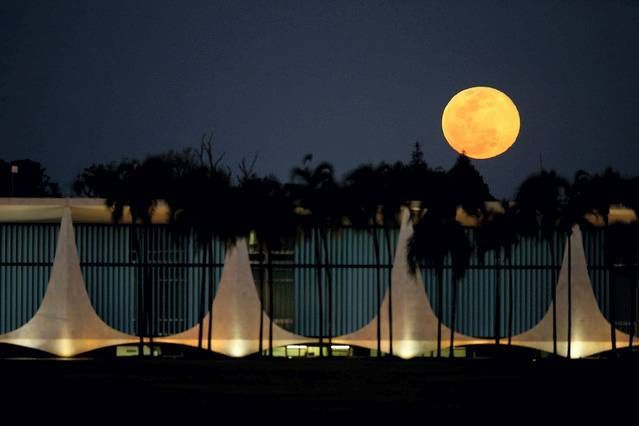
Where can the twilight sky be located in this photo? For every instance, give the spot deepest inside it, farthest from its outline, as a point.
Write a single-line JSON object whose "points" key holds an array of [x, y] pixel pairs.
{"points": [[349, 81]]}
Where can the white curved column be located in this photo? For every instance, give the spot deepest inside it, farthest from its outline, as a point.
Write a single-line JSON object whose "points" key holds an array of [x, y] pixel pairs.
{"points": [[236, 313], [590, 330], [414, 322], [66, 323]]}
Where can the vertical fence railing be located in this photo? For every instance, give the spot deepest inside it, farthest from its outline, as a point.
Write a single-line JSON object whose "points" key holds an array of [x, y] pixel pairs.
{"points": [[593, 240], [352, 265], [113, 271], [604, 274], [26, 256], [534, 272]]}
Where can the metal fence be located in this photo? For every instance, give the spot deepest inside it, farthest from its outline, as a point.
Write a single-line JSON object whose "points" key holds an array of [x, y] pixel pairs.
{"points": [[114, 272], [533, 271], [614, 282], [26, 254]]}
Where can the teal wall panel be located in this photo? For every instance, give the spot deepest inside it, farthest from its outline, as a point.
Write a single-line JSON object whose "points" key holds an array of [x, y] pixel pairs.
{"points": [[352, 266], [113, 272], [26, 256]]}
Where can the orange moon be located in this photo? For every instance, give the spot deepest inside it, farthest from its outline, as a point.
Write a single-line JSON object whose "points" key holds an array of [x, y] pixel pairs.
{"points": [[480, 122]]}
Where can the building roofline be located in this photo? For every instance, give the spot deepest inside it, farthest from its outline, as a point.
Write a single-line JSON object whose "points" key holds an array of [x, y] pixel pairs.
{"points": [[50, 210], [94, 210]]}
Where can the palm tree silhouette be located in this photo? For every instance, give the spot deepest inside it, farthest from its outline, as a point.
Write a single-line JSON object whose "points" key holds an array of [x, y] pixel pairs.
{"points": [[437, 237], [127, 185], [401, 185], [204, 207], [274, 226], [470, 193], [315, 192], [595, 194], [542, 207], [432, 234], [133, 190], [391, 202], [363, 206]]}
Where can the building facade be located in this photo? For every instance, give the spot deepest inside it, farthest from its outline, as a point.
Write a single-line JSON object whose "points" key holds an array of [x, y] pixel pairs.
{"points": [[166, 275]]}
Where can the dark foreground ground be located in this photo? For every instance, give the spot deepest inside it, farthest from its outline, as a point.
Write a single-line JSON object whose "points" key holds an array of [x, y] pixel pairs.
{"points": [[298, 391]]}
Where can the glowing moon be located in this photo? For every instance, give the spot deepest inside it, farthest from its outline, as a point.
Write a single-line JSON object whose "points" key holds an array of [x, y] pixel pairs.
{"points": [[481, 122]]}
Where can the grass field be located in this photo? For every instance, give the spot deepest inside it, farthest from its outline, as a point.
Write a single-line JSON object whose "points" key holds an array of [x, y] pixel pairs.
{"points": [[301, 390]]}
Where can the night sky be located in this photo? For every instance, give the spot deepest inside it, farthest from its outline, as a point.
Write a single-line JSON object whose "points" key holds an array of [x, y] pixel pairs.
{"points": [[349, 81]]}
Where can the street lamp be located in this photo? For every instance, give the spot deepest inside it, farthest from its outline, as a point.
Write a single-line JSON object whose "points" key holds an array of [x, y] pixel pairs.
{"points": [[14, 171]]}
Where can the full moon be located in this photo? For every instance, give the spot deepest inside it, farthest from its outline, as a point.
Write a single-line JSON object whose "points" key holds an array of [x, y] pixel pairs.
{"points": [[480, 122]]}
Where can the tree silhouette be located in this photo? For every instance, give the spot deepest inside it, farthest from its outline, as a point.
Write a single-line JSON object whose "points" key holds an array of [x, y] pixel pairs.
{"points": [[464, 188], [268, 211], [205, 204], [390, 194], [630, 198], [128, 185], [205, 208], [26, 178], [437, 235], [363, 206], [595, 194], [542, 207], [98, 180], [469, 187], [316, 193], [624, 250], [436, 238]]}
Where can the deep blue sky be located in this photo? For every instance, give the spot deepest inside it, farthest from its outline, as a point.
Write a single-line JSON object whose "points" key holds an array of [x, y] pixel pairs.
{"points": [[350, 81]]}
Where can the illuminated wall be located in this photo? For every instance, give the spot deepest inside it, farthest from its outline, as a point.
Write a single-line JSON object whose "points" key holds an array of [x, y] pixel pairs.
{"points": [[113, 273], [65, 323]]}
